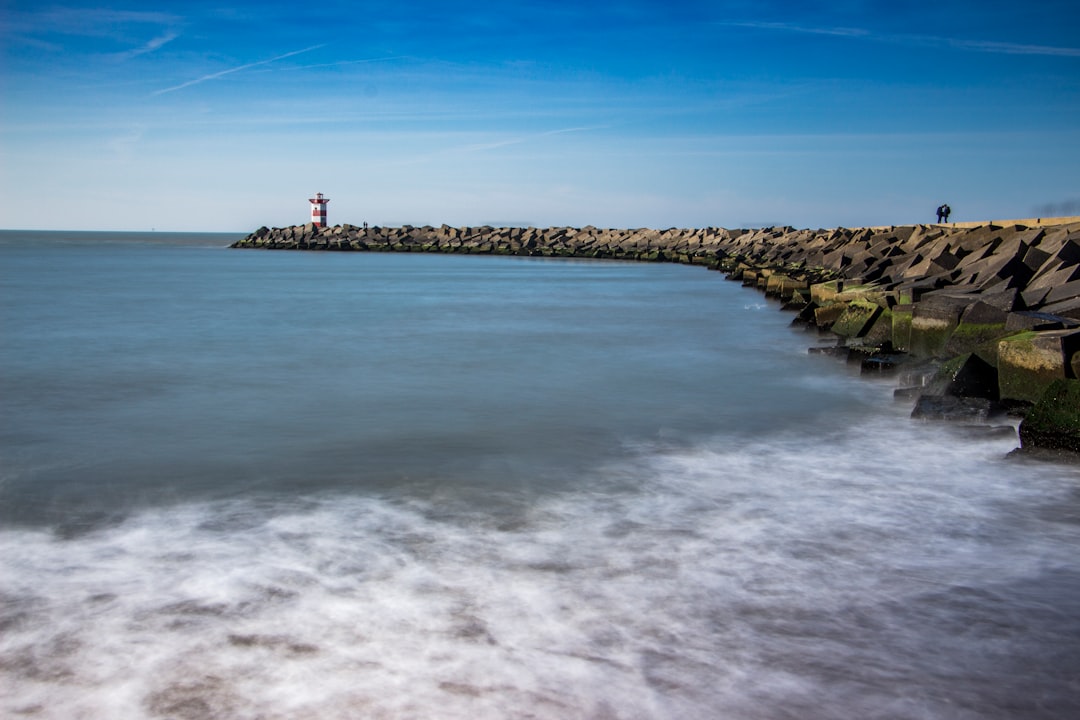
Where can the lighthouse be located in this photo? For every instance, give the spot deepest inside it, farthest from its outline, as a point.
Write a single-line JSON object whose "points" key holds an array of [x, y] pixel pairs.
{"points": [[318, 210]]}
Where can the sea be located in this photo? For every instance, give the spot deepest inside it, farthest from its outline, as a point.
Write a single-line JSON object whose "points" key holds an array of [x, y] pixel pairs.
{"points": [[260, 485]]}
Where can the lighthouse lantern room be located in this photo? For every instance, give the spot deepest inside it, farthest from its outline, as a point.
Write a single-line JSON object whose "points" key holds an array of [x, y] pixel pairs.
{"points": [[318, 210]]}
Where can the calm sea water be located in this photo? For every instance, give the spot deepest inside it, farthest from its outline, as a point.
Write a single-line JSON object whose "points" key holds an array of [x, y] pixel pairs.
{"points": [[242, 484]]}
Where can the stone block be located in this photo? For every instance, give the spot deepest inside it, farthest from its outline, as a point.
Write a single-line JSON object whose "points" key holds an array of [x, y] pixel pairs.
{"points": [[901, 327], [991, 269], [826, 315], [946, 259], [1066, 308], [1054, 421], [933, 321], [951, 407], [774, 284], [823, 293], [1035, 258], [1033, 297], [1065, 291], [1028, 362], [973, 377], [1069, 252], [881, 270], [791, 286], [1054, 274], [879, 331], [978, 240], [1030, 320], [980, 325]]}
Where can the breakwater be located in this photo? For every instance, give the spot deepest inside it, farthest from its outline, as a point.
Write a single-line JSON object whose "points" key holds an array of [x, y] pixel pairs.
{"points": [[975, 320]]}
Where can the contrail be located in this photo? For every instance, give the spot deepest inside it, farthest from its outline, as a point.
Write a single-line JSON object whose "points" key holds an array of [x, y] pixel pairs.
{"points": [[213, 76]]}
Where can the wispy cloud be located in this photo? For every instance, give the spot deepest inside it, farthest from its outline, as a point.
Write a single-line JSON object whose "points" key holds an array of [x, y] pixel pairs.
{"points": [[986, 46], [229, 71], [53, 29], [149, 46], [91, 22]]}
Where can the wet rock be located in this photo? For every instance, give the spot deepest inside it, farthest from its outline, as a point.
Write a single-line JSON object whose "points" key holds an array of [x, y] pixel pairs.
{"points": [[1029, 361], [1054, 422], [882, 363], [933, 320], [856, 318], [952, 408], [980, 324], [974, 377]]}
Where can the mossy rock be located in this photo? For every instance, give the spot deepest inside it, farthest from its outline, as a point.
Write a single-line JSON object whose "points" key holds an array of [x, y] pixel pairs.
{"points": [[969, 336], [933, 321], [929, 336], [825, 316], [901, 327], [879, 331], [823, 293], [970, 375], [1054, 422], [1028, 363], [774, 284], [856, 318]]}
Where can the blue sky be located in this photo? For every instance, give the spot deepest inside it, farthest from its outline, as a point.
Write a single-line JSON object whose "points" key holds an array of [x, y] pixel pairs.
{"points": [[217, 116]]}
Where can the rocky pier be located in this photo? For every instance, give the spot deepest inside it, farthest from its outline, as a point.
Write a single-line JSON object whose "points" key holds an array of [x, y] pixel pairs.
{"points": [[974, 319]]}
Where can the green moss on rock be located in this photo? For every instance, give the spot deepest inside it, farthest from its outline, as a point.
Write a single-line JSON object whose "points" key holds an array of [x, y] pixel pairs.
{"points": [[969, 336], [929, 336], [856, 318], [1028, 363], [1054, 421], [901, 327]]}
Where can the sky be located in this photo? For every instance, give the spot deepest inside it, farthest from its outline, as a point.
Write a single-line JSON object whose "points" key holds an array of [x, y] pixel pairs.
{"points": [[225, 116]]}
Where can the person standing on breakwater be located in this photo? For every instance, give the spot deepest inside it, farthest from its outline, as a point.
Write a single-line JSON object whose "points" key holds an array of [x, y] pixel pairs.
{"points": [[943, 211]]}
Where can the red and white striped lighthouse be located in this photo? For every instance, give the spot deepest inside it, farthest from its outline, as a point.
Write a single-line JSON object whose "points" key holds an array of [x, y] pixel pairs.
{"points": [[318, 209]]}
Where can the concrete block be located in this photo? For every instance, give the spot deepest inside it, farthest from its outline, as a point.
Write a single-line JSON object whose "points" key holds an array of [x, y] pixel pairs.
{"points": [[1066, 308], [980, 324], [1035, 258], [1065, 291], [1054, 422], [1069, 252], [951, 407], [826, 315], [823, 293], [1030, 320], [901, 327], [855, 320], [933, 321], [1028, 362], [879, 330]]}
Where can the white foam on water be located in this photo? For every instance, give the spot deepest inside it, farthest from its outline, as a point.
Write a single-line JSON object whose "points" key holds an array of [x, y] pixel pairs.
{"points": [[866, 570]]}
